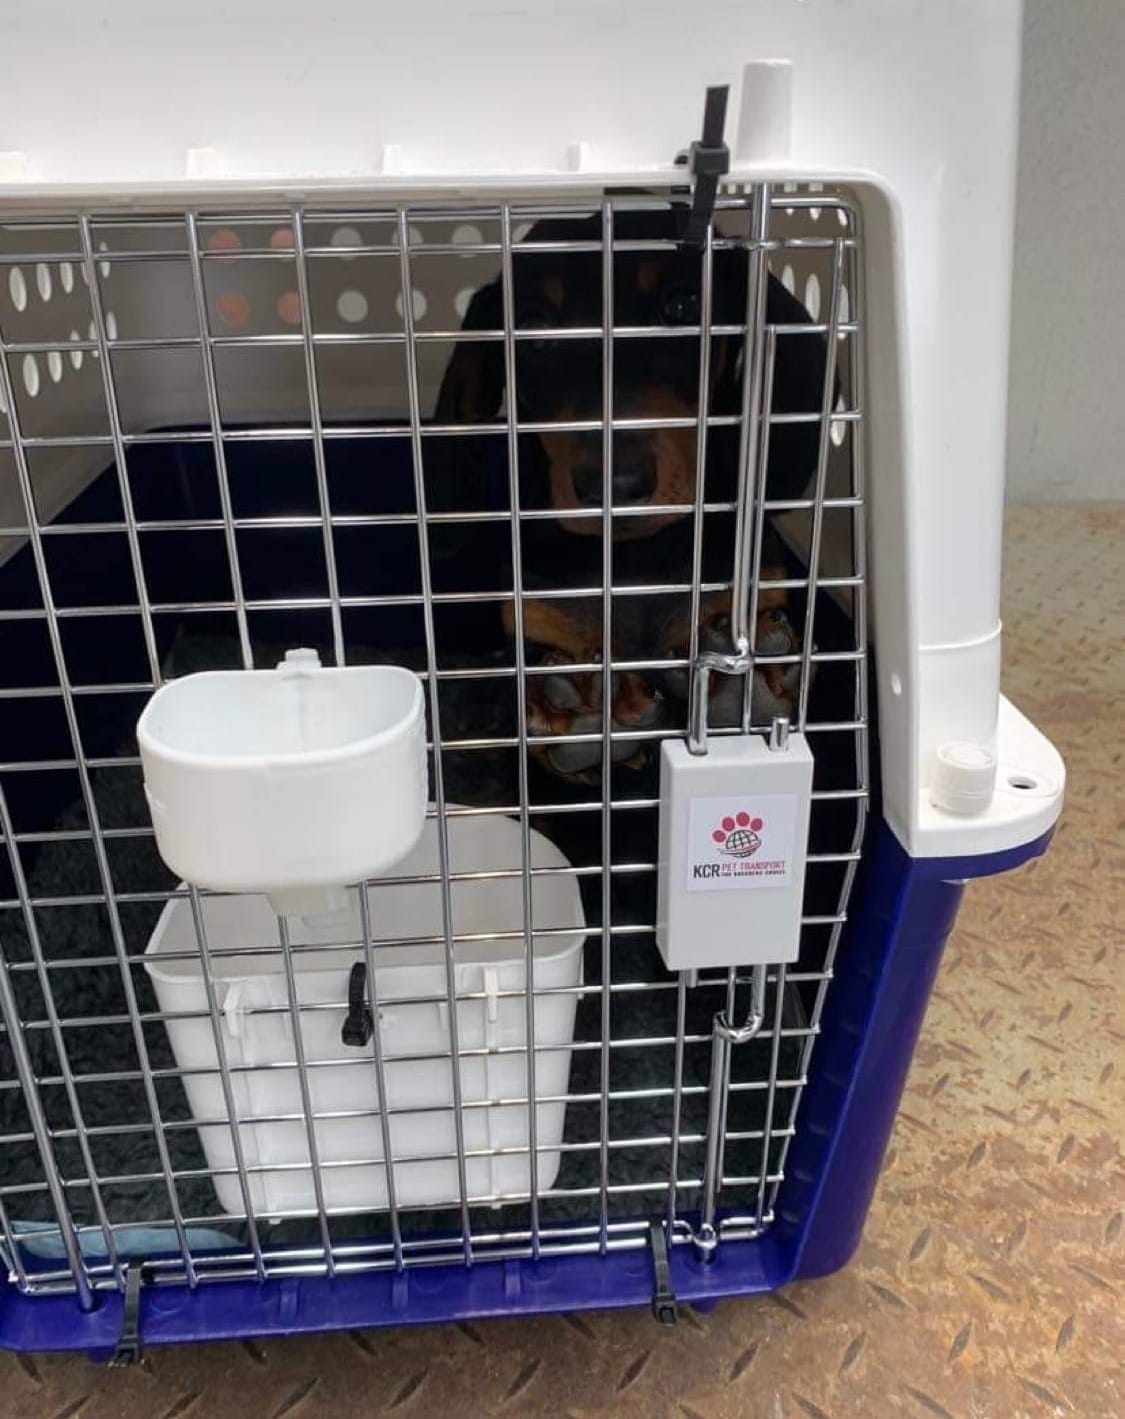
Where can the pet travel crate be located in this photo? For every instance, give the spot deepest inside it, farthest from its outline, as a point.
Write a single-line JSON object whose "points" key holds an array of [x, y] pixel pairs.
{"points": [[638, 386]]}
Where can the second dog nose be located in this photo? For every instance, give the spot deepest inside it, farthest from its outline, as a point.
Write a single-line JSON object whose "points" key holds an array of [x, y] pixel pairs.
{"points": [[634, 480]]}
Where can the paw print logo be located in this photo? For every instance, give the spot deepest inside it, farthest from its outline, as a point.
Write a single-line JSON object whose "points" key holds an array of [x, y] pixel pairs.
{"points": [[738, 836]]}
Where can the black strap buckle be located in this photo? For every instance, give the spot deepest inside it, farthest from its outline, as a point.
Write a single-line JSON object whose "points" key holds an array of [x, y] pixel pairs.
{"points": [[128, 1350], [664, 1306], [359, 1025], [707, 159]]}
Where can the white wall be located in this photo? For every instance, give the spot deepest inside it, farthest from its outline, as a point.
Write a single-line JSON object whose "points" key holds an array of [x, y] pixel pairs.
{"points": [[1067, 404]]}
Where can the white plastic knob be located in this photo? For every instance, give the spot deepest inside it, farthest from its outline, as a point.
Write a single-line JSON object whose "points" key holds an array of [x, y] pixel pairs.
{"points": [[964, 777], [301, 659]]}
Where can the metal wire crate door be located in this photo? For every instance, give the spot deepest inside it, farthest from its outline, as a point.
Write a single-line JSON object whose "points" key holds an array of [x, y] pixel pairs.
{"points": [[217, 441]]}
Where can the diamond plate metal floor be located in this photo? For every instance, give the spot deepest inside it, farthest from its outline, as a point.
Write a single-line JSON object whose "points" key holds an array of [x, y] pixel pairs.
{"points": [[991, 1279]]}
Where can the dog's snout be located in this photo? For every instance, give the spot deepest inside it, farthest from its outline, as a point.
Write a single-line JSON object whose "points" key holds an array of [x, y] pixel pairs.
{"points": [[634, 476], [588, 484], [633, 480]]}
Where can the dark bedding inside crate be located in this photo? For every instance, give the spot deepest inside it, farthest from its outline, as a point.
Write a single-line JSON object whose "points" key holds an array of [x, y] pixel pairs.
{"points": [[86, 979]]}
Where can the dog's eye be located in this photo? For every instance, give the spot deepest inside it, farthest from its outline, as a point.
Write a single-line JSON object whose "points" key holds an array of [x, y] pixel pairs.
{"points": [[534, 320], [679, 305], [777, 615]]}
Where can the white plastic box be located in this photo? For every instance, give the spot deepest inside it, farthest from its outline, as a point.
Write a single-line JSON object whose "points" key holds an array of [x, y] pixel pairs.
{"points": [[343, 1078]]}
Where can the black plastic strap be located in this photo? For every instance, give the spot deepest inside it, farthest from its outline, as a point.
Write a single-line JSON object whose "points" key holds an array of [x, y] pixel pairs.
{"points": [[128, 1351], [707, 160], [358, 1026], [664, 1306]]}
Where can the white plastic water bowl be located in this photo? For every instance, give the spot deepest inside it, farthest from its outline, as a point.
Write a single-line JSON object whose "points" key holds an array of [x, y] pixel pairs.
{"points": [[291, 782]]}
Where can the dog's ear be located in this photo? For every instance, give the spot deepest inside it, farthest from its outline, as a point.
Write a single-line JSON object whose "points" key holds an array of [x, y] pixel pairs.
{"points": [[473, 384], [728, 307], [456, 469]]}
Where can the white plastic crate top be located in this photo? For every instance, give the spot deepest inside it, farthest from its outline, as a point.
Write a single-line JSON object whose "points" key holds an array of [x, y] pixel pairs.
{"points": [[913, 103]]}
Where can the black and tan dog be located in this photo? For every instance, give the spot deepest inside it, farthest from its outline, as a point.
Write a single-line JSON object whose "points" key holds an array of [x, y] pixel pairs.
{"points": [[559, 380]]}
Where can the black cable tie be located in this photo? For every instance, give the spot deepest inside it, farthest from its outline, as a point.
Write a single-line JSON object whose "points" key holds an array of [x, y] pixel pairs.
{"points": [[707, 159], [664, 1306], [128, 1350], [359, 1025]]}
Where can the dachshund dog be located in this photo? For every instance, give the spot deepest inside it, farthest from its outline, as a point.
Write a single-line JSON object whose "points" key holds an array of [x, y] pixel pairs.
{"points": [[560, 379]]}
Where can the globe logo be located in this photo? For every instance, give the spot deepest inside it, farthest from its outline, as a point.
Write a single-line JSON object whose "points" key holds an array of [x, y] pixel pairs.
{"points": [[738, 836]]}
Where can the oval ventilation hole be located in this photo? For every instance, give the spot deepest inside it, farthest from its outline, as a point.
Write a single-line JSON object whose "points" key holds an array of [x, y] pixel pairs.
{"points": [[92, 334], [467, 235], [896, 685], [103, 266], [17, 288], [66, 276], [842, 216], [223, 240], [521, 231], [814, 212], [812, 296], [1023, 781], [3, 406], [462, 300], [351, 306], [111, 325], [282, 239], [55, 365], [838, 428], [845, 306], [415, 236], [289, 308], [346, 236], [31, 375], [43, 281], [789, 280], [418, 304], [233, 307], [76, 356]]}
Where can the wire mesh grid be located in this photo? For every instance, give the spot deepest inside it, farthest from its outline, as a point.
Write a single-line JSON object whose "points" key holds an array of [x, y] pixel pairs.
{"points": [[225, 433]]}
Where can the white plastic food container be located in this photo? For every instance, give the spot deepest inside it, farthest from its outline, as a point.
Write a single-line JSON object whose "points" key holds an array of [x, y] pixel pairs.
{"points": [[293, 782], [342, 1078]]}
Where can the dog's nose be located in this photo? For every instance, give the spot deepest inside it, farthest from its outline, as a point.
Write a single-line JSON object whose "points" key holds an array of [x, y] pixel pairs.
{"points": [[588, 484], [634, 477], [634, 480]]}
